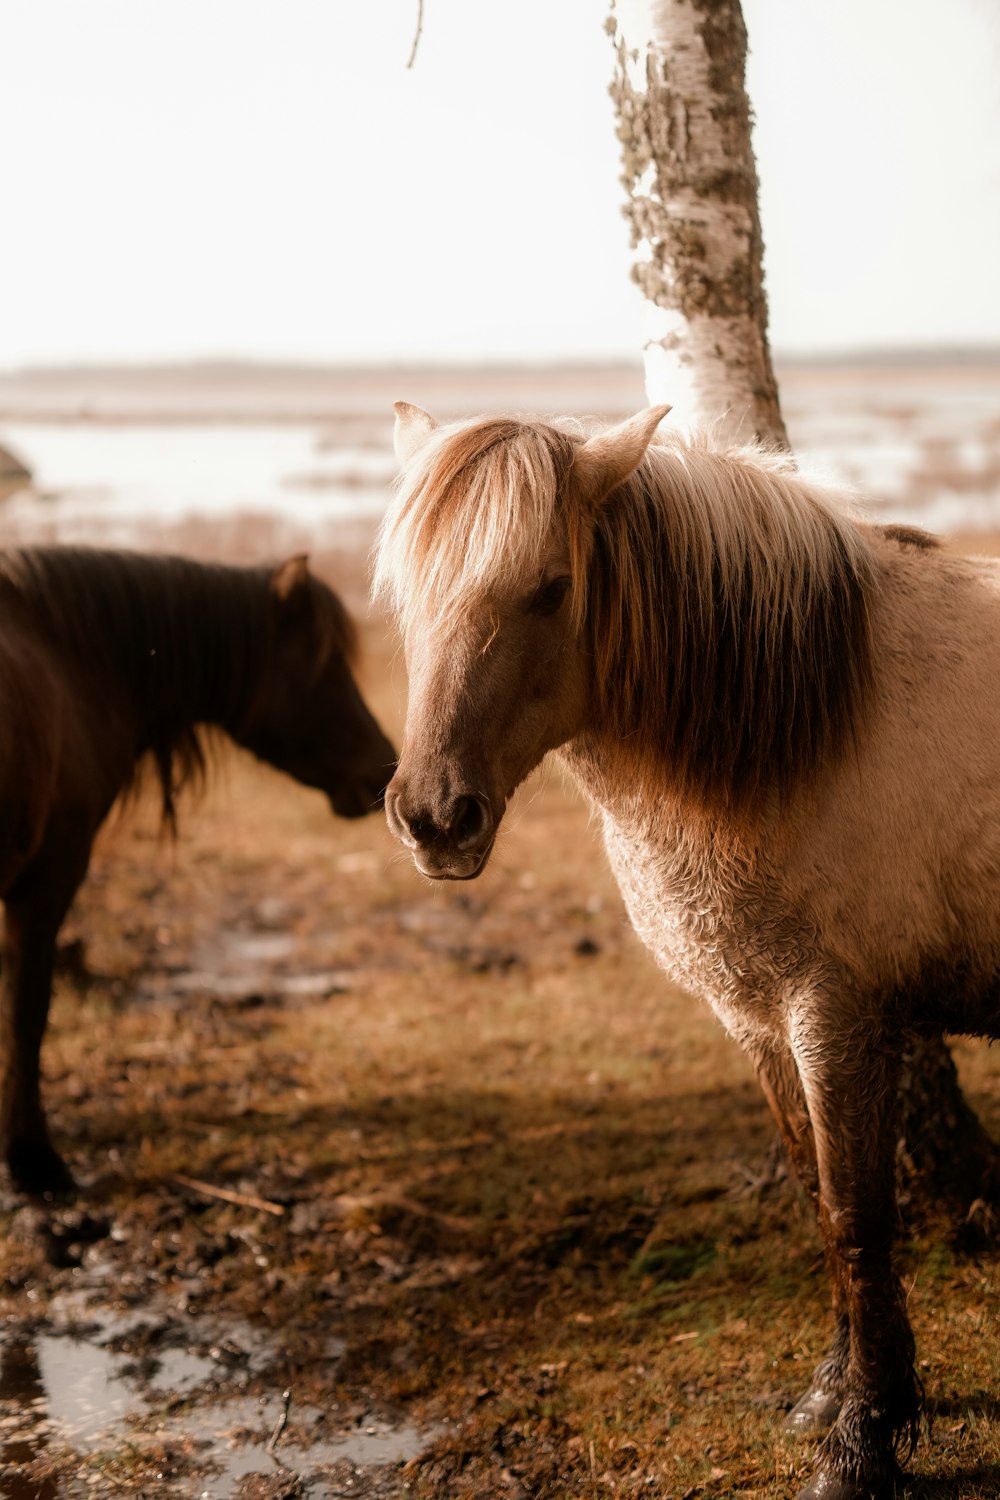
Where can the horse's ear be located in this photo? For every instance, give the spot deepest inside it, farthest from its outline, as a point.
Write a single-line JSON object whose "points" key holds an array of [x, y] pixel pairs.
{"points": [[413, 425], [290, 577], [607, 459]]}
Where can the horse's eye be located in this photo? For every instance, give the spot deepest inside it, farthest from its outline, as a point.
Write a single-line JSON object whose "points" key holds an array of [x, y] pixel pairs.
{"points": [[548, 596]]}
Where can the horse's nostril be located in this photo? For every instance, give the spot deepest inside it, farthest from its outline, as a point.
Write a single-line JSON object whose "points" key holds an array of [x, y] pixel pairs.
{"points": [[411, 828], [470, 821], [464, 825], [423, 830]]}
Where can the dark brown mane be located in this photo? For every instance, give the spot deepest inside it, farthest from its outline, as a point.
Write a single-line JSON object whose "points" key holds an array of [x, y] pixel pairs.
{"points": [[174, 634], [336, 630]]}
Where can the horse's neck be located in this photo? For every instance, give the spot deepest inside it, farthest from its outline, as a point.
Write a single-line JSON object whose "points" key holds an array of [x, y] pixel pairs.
{"points": [[199, 661], [697, 890], [642, 809], [634, 795]]}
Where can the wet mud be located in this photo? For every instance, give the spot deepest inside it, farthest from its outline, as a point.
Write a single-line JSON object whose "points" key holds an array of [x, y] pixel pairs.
{"points": [[190, 1400]]}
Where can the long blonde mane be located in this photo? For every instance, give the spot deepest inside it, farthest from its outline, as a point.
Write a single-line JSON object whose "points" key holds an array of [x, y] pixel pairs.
{"points": [[725, 599]]}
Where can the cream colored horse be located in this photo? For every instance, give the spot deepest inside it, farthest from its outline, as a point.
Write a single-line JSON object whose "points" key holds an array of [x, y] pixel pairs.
{"points": [[790, 725]]}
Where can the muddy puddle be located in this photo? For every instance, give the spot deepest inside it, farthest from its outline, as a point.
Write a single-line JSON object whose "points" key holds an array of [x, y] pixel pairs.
{"points": [[100, 1402], [246, 965]]}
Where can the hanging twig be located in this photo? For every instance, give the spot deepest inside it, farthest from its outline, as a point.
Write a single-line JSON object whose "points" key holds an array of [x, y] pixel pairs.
{"points": [[416, 36]]}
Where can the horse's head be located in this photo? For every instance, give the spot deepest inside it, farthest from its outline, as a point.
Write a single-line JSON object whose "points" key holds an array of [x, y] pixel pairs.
{"points": [[308, 717], [485, 554]]}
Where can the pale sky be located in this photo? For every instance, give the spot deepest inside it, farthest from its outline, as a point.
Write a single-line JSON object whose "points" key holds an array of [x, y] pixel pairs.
{"points": [[265, 179]]}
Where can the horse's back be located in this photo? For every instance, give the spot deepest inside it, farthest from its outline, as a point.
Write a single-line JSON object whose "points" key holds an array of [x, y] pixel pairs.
{"points": [[896, 852], [882, 871]]}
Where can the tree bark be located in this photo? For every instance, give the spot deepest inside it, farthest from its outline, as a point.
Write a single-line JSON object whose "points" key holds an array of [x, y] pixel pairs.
{"points": [[691, 183]]}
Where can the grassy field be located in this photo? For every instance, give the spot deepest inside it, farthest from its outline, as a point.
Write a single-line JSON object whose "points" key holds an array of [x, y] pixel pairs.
{"points": [[525, 1185]]}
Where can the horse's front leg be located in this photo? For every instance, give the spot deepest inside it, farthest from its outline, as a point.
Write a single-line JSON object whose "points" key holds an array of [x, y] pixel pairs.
{"points": [[817, 1408], [25, 987], [851, 1087], [35, 908]]}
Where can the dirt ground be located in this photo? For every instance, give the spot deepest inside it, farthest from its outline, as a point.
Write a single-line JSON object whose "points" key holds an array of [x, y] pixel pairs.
{"points": [[449, 1166]]}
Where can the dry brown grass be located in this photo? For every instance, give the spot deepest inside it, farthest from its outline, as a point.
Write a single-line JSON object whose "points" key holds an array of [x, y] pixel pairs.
{"points": [[518, 1168]]}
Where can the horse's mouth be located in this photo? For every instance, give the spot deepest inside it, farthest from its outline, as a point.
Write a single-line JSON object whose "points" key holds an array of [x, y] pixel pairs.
{"points": [[452, 866]]}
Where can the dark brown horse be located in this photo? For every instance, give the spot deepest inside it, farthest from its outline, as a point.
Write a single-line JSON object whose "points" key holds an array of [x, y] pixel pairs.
{"points": [[788, 723], [107, 658]]}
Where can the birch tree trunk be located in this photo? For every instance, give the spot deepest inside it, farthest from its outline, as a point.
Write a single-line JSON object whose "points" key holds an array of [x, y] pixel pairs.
{"points": [[691, 185]]}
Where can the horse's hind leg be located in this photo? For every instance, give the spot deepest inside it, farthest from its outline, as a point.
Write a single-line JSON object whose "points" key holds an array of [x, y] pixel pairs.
{"points": [[852, 1093], [35, 908], [817, 1407]]}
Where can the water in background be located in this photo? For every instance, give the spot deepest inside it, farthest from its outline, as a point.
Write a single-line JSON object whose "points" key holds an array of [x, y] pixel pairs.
{"points": [[139, 484], [259, 466], [920, 444]]}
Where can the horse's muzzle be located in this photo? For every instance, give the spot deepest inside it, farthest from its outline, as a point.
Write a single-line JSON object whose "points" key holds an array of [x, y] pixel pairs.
{"points": [[450, 842], [356, 799], [355, 795]]}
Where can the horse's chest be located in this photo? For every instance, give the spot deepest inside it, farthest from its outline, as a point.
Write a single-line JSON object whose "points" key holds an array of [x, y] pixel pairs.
{"points": [[706, 927]]}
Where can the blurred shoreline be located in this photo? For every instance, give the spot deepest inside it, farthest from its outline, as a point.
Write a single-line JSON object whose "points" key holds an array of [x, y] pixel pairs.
{"points": [[244, 460], [235, 390]]}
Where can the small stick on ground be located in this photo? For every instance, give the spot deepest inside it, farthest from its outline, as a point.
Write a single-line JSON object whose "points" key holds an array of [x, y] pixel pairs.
{"points": [[244, 1200], [279, 1426]]}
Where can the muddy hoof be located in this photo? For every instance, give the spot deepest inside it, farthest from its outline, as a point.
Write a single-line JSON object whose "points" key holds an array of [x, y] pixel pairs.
{"points": [[814, 1412], [39, 1169], [826, 1486]]}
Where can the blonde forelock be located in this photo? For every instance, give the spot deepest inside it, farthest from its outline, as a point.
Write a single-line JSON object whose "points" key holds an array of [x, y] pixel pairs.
{"points": [[473, 517]]}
